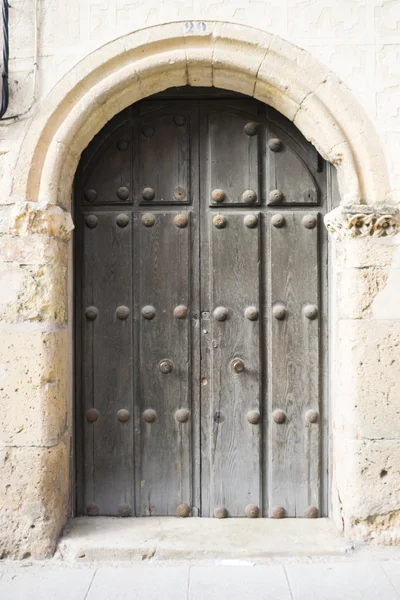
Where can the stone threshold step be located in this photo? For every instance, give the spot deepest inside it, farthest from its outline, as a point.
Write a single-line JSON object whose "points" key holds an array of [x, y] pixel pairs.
{"points": [[170, 538]]}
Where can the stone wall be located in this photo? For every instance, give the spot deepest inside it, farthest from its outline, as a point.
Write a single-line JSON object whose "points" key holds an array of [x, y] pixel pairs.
{"points": [[84, 77]]}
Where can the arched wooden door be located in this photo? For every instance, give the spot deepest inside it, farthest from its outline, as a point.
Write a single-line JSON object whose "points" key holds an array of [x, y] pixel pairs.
{"points": [[200, 314]]}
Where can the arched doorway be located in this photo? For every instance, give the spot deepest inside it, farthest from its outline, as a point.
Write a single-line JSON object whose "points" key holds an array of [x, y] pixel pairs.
{"points": [[200, 312]]}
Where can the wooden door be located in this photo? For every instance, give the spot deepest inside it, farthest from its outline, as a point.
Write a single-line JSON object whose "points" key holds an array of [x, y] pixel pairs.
{"points": [[200, 314]]}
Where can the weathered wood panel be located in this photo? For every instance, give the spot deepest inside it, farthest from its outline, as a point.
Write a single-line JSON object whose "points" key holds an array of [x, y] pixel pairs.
{"points": [[293, 373], [107, 363]]}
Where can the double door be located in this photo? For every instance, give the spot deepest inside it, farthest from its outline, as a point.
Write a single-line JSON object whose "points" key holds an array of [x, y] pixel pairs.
{"points": [[199, 315]]}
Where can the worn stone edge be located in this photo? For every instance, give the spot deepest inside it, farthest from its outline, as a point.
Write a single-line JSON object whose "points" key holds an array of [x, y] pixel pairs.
{"points": [[363, 221], [42, 218]]}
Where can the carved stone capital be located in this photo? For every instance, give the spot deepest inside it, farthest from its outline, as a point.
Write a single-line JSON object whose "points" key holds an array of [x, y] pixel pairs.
{"points": [[40, 218], [361, 220]]}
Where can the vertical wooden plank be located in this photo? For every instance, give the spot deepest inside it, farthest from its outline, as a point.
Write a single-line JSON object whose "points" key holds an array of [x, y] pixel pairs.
{"points": [[234, 442], [294, 443], [163, 252], [107, 360]]}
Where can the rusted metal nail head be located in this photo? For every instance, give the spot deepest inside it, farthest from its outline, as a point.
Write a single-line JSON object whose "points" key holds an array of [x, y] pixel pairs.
{"points": [[165, 366], [91, 313], [90, 195], [91, 221], [251, 313], [237, 365], [275, 197], [279, 311], [149, 415], [179, 120], [123, 312], [123, 415], [278, 221], [180, 311], [252, 511], [148, 131], [275, 144], [249, 196], [278, 512], [92, 510], [251, 221], [122, 144], [179, 193], [310, 311], [123, 192], [148, 194], [181, 221], [219, 221], [218, 195], [183, 510], [251, 128], [148, 312], [311, 512], [92, 415], [309, 221], [148, 219], [220, 313], [253, 417], [122, 220], [220, 512], [182, 415], [279, 416], [124, 510], [312, 416]]}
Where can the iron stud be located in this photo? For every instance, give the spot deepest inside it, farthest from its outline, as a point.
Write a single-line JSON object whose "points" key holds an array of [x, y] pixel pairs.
{"points": [[179, 194], [220, 512], [180, 311], [124, 510], [92, 415], [278, 220], [123, 193], [123, 415], [249, 197], [252, 511], [312, 416], [92, 510], [251, 313], [148, 131], [279, 311], [148, 194], [165, 365], [148, 312], [181, 221], [251, 128], [218, 195], [309, 221], [149, 415], [91, 221], [275, 197], [251, 221], [278, 512], [219, 221], [122, 312], [237, 365], [311, 512], [90, 195], [179, 120], [279, 416], [122, 145], [310, 311], [183, 510], [275, 145], [253, 417], [148, 220], [91, 313], [182, 415], [220, 313], [122, 220]]}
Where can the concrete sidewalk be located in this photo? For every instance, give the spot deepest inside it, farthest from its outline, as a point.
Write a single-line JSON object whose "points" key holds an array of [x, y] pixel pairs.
{"points": [[366, 577]]}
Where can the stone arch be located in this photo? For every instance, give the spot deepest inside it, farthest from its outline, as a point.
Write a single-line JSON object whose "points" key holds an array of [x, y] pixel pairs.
{"points": [[223, 55]]}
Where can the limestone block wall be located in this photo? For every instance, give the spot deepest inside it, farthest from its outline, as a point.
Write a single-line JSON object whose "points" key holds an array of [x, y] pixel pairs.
{"points": [[356, 41]]}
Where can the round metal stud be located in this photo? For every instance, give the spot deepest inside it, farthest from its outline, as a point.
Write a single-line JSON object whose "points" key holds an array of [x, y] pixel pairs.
{"points": [[148, 312], [219, 221], [311, 512], [251, 128], [312, 416], [183, 510], [123, 192], [251, 313], [278, 220], [180, 311], [220, 512], [92, 510], [237, 365], [252, 511], [179, 194], [275, 197], [181, 221], [218, 195], [149, 415], [165, 365], [220, 313], [250, 221], [219, 416], [249, 196], [148, 220], [182, 415], [90, 195], [148, 131], [279, 416], [122, 312], [278, 512], [309, 221], [279, 311], [92, 415], [275, 145], [123, 415], [91, 313], [179, 120], [253, 417], [124, 510], [310, 311], [148, 194], [122, 145], [122, 220], [91, 221]]}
